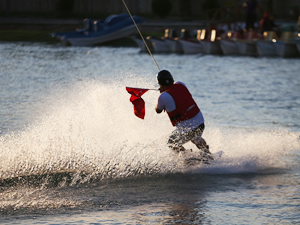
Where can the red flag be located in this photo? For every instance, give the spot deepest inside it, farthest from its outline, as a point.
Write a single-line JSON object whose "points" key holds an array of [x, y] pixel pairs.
{"points": [[137, 101]]}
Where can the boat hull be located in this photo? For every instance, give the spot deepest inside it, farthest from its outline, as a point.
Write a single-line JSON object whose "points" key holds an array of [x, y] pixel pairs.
{"points": [[160, 46], [229, 47], [286, 50], [211, 47], [298, 45], [247, 47], [174, 45], [265, 48], [140, 43], [95, 40], [191, 46]]}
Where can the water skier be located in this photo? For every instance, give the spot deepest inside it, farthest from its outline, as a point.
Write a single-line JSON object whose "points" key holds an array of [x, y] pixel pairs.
{"points": [[183, 112]]}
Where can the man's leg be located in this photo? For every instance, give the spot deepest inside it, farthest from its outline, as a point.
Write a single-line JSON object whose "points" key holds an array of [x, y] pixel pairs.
{"points": [[176, 140], [198, 140], [203, 147], [196, 137], [201, 144]]}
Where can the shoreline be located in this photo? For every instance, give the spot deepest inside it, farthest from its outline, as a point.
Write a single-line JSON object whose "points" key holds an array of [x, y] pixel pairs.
{"points": [[33, 36], [39, 29]]}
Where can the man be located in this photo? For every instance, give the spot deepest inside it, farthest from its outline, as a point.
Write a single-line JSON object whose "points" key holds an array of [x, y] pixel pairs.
{"points": [[267, 23], [251, 10], [183, 112]]}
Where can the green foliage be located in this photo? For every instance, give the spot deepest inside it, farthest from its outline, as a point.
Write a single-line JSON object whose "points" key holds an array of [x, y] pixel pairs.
{"points": [[27, 36], [65, 6], [161, 7], [294, 12], [209, 5]]}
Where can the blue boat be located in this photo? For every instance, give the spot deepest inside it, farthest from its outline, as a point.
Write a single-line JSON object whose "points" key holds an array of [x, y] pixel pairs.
{"points": [[99, 31]]}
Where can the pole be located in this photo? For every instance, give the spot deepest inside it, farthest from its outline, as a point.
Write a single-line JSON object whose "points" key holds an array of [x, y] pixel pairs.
{"points": [[141, 35]]}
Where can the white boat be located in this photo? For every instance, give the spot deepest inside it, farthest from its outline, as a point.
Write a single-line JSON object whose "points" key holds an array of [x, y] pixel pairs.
{"points": [[286, 50], [212, 45], [247, 46], [265, 48], [191, 46], [172, 39], [165, 44], [298, 45], [228, 45], [98, 32], [174, 45], [286, 47], [160, 45], [140, 43]]}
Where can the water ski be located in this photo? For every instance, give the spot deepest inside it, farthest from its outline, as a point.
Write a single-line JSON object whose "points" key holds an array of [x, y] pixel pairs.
{"points": [[203, 159]]}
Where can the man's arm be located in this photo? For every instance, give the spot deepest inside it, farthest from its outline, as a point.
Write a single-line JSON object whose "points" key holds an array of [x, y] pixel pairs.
{"points": [[161, 90]]}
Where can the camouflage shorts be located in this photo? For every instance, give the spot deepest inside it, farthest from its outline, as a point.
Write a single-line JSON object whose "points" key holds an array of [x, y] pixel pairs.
{"points": [[177, 139]]}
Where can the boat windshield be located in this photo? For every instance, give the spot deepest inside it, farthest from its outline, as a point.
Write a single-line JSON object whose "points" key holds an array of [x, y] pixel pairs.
{"points": [[113, 19]]}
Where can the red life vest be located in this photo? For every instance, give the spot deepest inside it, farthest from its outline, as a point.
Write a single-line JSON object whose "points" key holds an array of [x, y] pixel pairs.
{"points": [[186, 107]]}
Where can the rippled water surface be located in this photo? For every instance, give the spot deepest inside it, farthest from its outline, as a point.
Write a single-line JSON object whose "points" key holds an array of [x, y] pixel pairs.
{"points": [[72, 151]]}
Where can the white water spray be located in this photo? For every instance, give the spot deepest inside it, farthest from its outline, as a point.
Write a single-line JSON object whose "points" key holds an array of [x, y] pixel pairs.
{"points": [[92, 129]]}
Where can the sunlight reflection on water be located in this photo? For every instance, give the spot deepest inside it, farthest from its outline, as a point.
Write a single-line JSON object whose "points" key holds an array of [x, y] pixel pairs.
{"points": [[66, 110]]}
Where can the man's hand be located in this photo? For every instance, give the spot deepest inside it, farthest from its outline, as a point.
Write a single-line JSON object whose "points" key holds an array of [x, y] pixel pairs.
{"points": [[158, 110]]}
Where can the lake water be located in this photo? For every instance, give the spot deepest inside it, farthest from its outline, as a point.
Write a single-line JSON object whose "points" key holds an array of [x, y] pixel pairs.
{"points": [[73, 152]]}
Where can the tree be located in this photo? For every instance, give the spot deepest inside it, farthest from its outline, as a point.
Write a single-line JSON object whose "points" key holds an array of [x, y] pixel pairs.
{"points": [[210, 5], [185, 8], [65, 6], [161, 7]]}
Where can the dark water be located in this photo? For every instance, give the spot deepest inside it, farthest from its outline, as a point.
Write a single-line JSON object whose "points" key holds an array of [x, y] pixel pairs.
{"points": [[72, 151]]}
